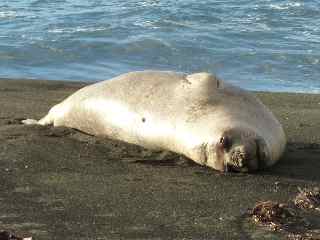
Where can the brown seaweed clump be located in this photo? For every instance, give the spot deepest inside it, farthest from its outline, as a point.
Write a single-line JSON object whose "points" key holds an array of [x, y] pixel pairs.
{"points": [[308, 199], [309, 235], [272, 214]]}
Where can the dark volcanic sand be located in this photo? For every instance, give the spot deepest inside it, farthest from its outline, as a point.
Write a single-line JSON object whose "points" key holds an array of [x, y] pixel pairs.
{"points": [[58, 183]]}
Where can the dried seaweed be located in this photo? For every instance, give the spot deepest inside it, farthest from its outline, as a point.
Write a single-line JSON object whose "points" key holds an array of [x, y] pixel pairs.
{"points": [[309, 235], [308, 199], [274, 215]]}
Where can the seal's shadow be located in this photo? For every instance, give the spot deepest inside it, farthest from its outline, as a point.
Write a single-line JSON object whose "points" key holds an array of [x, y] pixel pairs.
{"points": [[301, 161], [163, 158]]}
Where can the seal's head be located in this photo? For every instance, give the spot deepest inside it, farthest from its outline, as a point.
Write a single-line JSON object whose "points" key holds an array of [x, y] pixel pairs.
{"points": [[241, 151]]}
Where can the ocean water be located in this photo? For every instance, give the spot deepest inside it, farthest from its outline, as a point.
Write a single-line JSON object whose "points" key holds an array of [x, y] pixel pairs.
{"points": [[271, 45]]}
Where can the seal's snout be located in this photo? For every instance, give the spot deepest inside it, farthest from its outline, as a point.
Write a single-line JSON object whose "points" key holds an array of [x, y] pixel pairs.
{"points": [[243, 157], [239, 158], [239, 149]]}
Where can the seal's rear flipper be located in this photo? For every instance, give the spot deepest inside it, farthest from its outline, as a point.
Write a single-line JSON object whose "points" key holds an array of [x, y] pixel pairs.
{"points": [[47, 120], [29, 121]]}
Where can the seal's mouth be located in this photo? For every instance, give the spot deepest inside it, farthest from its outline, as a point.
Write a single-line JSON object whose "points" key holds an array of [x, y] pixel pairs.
{"points": [[232, 168]]}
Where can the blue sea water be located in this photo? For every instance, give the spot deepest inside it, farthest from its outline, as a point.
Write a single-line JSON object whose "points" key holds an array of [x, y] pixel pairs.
{"points": [[269, 45]]}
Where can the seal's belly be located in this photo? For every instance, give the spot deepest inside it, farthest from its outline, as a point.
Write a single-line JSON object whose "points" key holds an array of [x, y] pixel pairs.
{"points": [[119, 120]]}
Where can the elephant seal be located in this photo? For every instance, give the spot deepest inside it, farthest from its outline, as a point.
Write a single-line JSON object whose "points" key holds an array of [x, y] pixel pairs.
{"points": [[198, 115]]}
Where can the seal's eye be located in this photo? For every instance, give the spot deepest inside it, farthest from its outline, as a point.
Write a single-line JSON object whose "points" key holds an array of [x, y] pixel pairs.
{"points": [[225, 142]]}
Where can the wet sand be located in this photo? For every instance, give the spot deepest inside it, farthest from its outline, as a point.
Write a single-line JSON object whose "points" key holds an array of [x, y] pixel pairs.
{"points": [[58, 183]]}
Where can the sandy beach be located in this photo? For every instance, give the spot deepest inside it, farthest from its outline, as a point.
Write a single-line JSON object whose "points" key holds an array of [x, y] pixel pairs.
{"points": [[58, 183]]}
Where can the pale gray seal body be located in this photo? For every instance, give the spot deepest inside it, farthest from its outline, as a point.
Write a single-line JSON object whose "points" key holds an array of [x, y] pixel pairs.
{"points": [[209, 121]]}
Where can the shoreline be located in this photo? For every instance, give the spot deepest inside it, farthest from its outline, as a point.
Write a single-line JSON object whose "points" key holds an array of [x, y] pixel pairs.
{"points": [[87, 82], [60, 183]]}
